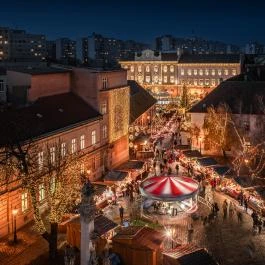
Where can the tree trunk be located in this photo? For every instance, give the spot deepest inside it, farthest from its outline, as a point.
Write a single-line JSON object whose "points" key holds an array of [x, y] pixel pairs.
{"points": [[53, 240]]}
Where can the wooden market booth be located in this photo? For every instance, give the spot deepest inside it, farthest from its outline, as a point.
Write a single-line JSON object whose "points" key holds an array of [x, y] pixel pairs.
{"points": [[138, 245], [135, 168]]}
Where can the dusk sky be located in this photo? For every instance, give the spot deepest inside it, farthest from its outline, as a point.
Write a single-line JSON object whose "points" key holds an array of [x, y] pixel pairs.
{"points": [[232, 21]]}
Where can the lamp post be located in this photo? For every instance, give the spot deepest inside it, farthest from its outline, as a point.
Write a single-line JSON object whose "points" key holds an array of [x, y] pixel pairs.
{"points": [[14, 213], [88, 173]]}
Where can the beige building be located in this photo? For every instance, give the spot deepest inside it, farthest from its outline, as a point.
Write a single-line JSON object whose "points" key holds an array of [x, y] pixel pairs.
{"points": [[165, 73]]}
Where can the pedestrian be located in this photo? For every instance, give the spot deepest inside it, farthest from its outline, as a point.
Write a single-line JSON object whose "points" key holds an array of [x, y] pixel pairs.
{"points": [[177, 168], [215, 209], [260, 224], [239, 217], [241, 198], [225, 205], [121, 210], [231, 210], [169, 171]]}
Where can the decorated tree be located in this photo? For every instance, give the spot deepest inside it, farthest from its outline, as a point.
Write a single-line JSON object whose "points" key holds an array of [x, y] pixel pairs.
{"points": [[184, 102], [50, 176]]}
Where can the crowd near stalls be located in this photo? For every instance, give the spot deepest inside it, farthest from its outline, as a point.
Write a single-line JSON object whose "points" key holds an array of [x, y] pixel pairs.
{"points": [[248, 191]]}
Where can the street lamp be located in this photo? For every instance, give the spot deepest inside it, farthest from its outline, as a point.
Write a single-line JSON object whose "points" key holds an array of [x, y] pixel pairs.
{"points": [[88, 173], [14, 213]]}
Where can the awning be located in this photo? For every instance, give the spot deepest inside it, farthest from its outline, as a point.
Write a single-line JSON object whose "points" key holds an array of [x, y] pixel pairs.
{"points": [[131, 165], [116, 175], [207, 161], [192, 153]]}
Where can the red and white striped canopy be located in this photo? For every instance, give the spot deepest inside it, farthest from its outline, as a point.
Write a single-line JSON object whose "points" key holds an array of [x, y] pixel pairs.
{"points": [[169, 188]]}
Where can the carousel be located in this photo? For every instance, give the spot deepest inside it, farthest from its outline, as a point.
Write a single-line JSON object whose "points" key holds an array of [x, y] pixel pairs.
{"points": [[167, 198]]}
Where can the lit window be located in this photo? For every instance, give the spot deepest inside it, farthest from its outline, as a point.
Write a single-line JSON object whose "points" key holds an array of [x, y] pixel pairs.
{"points": [[82, 142], [206, 72], [226, 71], [172, 79], [41, 192], [201, 82], [213, 82], [219, 72], [63, 149], [104, 82], [165, 79], [125, 67], [139, 68], [195, 82], [147, 68], [182, 72], [207, 82], [156, 79], [147, 79], [40, 160], [201, 72], [132, 77], [156, 68], [104, 131], [171, 68], [233, 71], [213, 71], [73, 147], [103, 108], [24, 201], [189, 71], [52, 155], [165, 68], [195, 72], [93, 137], [132, 68], [140, 78]]}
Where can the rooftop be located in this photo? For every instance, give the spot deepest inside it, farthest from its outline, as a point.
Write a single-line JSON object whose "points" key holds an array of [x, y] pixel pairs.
{"points": [[209, 58], [169, 56], [140, 100], [39, 70], [45, 116]]}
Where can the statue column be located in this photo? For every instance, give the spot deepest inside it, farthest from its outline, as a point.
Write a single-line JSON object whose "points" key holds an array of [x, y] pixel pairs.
{"points": [[87, 215]]}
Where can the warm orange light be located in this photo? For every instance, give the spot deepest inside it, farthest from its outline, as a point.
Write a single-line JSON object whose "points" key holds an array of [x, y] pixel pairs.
{"points": [[15, 212]]}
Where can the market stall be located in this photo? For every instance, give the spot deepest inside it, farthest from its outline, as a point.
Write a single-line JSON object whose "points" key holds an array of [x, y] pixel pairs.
{"points": [[166, 197], [135, 168]]}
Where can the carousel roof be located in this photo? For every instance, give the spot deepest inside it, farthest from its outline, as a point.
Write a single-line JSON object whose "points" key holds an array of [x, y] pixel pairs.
{"points": [[169, 188]]}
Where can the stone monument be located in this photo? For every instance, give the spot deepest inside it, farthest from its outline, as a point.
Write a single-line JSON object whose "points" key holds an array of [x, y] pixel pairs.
{"points": [[87, 210]]}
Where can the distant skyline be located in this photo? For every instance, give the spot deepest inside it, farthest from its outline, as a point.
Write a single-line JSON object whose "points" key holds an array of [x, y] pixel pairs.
{"points": [[231, 21]]}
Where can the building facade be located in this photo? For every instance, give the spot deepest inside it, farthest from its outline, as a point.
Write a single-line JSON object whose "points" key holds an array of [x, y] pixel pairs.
{"points": [[3, 85], [18, 45], [165, 73], [65, 50]]}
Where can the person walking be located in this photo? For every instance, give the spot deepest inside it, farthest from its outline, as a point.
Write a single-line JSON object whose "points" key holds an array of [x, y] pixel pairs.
{"points": [[231, 210], [260, 224], [225, 206], [239, 217], [246, 203], [241, 198], [177, 168], [121, 210]]}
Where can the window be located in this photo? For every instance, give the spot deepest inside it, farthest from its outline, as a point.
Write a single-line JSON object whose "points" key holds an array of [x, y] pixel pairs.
{"points": [[2, 86], [182, 71], [226, 71], [219, 71], [132, 77], [165, 79], [103, 108], [233, 71], [189, 71], [195, 72], [73, 147], [93, 137], [171, 68], [140, 78], [172, 79], [201, 82], [165, 68], [40, 160], [104, 131], [52, 155], [82, 142], [125, 67], [207, 82], [104, 82], [63, 149], [139, 68], [132, 68], [195, 82], [147, 79], [156, 68], [24, 201], [213, 71], [156, 79], [41, 192], [147, 68], [201, 72], [213, 82], [206, 72]]}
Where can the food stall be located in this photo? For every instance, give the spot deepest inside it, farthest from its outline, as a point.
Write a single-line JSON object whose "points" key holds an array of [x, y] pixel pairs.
{"points": [[135, 168]]}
